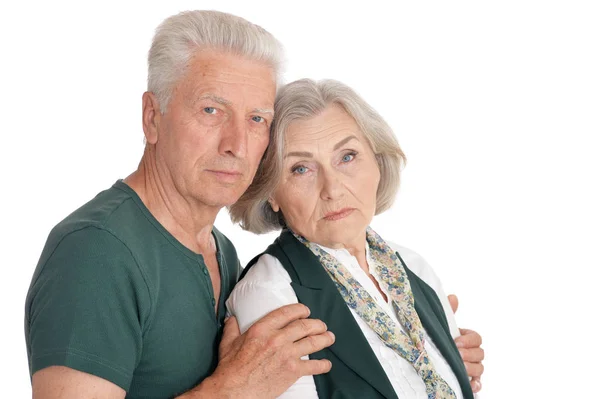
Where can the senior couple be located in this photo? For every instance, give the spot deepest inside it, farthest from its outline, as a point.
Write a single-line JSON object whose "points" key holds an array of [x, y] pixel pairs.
{"points": [[130, 296]]}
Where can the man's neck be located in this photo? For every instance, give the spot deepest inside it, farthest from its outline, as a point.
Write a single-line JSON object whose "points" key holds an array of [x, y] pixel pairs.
{"points": [[189, 221]]}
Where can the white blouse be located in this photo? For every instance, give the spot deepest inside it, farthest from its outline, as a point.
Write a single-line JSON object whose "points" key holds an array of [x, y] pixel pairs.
{"points": [[267, 287]]}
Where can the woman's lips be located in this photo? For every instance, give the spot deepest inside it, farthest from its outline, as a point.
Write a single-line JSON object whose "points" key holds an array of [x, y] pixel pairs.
{"points": [[337, 215]]}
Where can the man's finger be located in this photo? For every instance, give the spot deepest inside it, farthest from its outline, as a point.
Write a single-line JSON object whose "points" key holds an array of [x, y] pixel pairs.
{"points": [[453, 302], [474, 369], [313, 343], [468, 339], [476, 385], [473, 355], [281, 317], [314, 366], [299, 329]]}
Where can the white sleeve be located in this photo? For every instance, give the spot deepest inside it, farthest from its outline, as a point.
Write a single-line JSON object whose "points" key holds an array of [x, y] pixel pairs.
{"points": [[417, 264], [265, 288]]}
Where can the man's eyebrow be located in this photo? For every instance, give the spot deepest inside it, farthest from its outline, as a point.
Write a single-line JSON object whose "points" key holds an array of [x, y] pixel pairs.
{"points": [[344, 141], [264, 111], [302, 154], [224, 101], [217, 99]]}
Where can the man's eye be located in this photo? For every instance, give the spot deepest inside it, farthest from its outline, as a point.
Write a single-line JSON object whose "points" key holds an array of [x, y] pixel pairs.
{"points": [[300, 170], [258, 119], [210, 110]]}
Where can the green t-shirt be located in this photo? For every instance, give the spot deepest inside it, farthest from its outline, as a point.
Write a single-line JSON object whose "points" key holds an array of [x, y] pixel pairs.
{"points": [[116, 295]]}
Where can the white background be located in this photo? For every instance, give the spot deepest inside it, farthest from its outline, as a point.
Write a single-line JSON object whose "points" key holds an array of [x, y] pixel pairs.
{"points": [[497, 106]]}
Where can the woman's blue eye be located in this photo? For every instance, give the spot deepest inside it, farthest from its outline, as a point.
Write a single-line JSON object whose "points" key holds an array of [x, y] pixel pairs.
{"points": [[258, 119], [300, 170], [348, 157], [210, 110]]}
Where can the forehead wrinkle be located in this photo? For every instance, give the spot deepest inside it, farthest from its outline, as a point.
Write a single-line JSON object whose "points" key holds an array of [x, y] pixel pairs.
{"points": [[236, 77], [319, 138]]}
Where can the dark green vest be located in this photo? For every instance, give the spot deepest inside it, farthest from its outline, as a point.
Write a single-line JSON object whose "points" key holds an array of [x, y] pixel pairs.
{"points": [[356, 372]]}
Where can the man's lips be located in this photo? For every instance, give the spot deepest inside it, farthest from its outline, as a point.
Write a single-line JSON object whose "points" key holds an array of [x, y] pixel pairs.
{"points": [[225, 172], [226, 175], [337, 215]]}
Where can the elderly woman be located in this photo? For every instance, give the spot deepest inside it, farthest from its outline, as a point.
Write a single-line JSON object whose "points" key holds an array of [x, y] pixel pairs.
{"points": [[332, 165]]}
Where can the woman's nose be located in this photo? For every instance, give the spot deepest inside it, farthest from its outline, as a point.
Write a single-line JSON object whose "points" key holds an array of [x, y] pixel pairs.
{"points": [[332, 187]]}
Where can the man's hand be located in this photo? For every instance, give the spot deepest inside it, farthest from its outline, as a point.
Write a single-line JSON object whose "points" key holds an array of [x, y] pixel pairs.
{"points": [[469, 346], [265, 361]]}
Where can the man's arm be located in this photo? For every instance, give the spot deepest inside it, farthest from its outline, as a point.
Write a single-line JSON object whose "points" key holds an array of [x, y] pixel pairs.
{"points": [[85, 312], [59, 382], [261, 363]]}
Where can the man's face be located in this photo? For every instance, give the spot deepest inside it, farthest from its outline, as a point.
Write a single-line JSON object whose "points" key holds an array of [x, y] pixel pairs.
{"points": [[216, 127]]}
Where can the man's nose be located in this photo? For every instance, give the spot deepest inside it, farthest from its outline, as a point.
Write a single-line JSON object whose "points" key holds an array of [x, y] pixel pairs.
{"points": [[234, 139]]}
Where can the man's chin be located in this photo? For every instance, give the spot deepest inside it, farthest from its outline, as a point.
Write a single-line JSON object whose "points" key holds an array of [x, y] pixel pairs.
{"points": [[221, 199]]}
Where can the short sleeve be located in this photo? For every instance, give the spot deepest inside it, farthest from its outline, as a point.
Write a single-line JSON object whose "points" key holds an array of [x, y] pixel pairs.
{"points": [[265, 288], [87, 307]]}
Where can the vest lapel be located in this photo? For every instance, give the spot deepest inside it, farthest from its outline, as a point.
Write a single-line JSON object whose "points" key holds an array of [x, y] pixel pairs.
{"points": [[431, 314], [315, 289]]}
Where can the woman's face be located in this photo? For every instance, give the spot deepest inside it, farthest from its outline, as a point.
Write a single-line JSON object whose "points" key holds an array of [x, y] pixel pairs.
{"points": [[327, 191]]}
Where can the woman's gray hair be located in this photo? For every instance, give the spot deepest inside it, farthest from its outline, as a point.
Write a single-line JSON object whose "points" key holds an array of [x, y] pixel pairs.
{"points": [[178, 37], [305, 99]]}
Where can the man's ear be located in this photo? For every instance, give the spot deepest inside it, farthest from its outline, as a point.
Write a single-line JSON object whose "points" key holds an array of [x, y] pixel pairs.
{"points": [[150, 117], [274, 205]]}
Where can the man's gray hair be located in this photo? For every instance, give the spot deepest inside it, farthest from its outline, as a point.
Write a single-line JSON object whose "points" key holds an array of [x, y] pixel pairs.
{"points": [[302, 100], [178, 37]]}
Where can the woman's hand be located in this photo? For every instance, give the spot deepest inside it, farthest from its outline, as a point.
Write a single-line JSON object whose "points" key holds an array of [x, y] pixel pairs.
{"points": [[469, 346]]}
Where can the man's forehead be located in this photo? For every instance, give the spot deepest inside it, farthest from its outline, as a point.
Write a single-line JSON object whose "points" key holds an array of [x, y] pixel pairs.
{"points": [[229, 66]]}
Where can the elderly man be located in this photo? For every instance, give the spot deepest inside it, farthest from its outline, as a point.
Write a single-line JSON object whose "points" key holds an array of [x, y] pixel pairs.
{"points": [[128, 297]]}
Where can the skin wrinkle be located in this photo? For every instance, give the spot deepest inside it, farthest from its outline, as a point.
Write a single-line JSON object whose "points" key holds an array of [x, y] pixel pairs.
{"points": [[189, 143], [329, 185]]}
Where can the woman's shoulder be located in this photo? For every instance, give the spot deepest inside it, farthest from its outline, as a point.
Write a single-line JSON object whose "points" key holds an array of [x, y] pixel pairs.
{"points": [[418, 265], [264, 288], [267, 270]]}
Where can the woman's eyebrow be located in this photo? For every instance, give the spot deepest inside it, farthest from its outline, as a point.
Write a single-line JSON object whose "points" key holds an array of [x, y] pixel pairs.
{"points": [[344, 141], [302, 154]]}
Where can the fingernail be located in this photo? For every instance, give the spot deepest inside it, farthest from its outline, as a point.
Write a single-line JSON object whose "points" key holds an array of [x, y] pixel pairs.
{"points": [[462, 355], [332, 335], [477, 386], [460, 344]]}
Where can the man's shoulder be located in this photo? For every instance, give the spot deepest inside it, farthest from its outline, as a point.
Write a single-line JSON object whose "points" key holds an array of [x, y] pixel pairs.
{"points": [[89, 225], [99, 212]]}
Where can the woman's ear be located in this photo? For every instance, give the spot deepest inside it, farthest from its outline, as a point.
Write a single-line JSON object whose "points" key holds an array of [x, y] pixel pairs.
{"points": [[274, 205]]}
